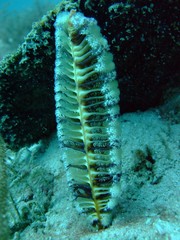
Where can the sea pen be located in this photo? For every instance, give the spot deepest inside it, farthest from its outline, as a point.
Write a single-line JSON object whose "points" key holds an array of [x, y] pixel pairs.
{"points": [[87, 111]]}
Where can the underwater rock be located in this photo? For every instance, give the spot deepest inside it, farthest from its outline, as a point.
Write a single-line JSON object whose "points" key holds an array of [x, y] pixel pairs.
{"points": [[143, 38], [4, 229]]}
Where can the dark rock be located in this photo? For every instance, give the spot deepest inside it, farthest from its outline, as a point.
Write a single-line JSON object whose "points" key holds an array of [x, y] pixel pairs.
{"points": [[143, 37]]}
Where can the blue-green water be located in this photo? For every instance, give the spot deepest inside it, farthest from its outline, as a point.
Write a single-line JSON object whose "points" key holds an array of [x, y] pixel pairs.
{"points": [[17, 5]]}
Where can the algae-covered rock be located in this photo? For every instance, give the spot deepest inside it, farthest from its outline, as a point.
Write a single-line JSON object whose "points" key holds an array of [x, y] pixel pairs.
{"points": [[26, 87], [143, 37]]}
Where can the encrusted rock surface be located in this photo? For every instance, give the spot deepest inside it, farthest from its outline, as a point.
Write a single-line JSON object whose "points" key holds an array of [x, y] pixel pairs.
{"points": [[143, 37]]}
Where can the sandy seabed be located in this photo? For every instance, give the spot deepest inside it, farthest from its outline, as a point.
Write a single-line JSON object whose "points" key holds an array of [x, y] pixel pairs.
{"points": [[148, 204]]}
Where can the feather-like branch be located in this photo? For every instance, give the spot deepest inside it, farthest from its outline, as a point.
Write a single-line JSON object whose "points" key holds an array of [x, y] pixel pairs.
{"points": [[87, 95]]}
